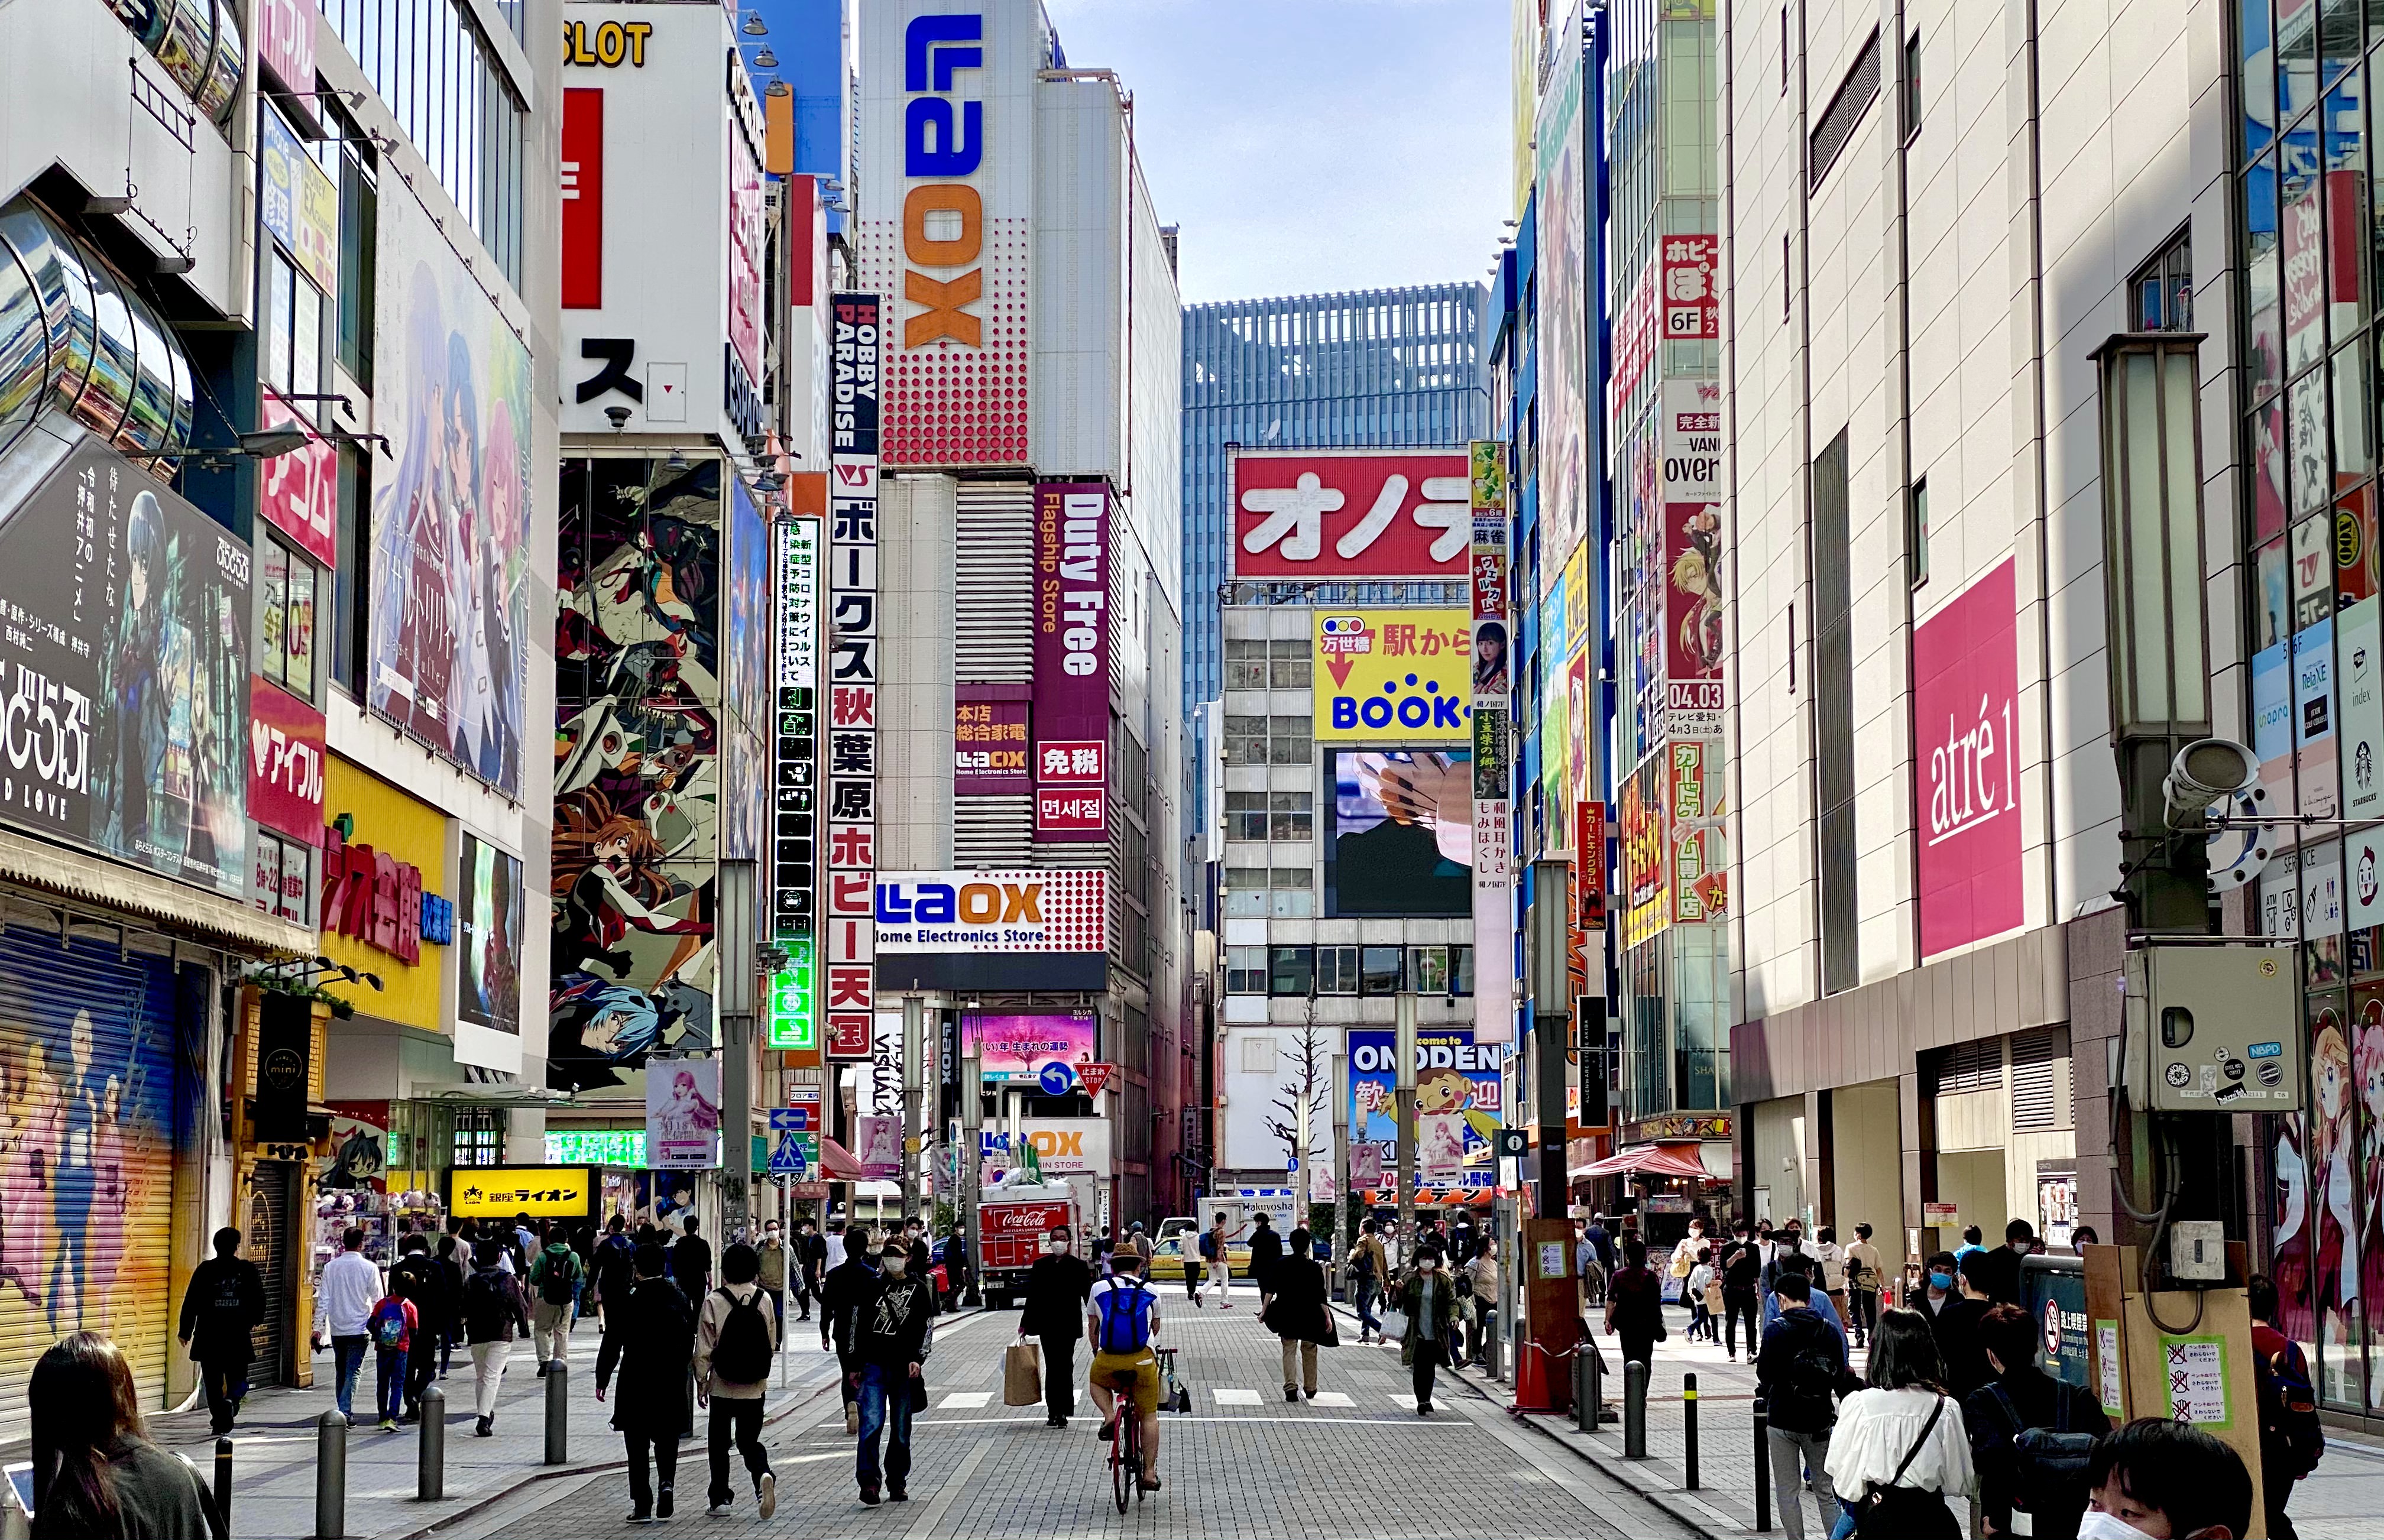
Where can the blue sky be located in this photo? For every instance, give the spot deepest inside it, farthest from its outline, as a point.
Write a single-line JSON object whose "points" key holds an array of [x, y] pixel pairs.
{"points": [[1303, 146]]}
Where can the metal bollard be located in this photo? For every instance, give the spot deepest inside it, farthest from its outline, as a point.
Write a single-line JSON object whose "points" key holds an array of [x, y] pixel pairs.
{"points": [[330, 1476], [223, 1483], [1595, 1377], [1762, 1467], [1689, 1427], [558, 1413], [430, 1454], [1635, 1411]]}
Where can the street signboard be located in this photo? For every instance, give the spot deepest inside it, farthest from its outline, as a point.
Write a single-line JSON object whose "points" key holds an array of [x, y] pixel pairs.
{"points": [[1095, 1076]]}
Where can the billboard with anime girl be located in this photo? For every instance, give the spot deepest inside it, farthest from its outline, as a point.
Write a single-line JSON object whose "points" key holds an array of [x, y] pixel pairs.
{"points": [[447, 662], [637, 700]]}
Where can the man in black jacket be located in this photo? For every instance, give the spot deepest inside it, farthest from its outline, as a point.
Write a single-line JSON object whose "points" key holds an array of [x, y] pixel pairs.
{"points": [[848, 1284], [811, 1259], [422, 1278], [690, 1262], [615, 1268], [2021, 1397], [1266, 1255], [224, 1303], [894, 1322], [1742, 1278], [2000, 1266], [1956, 1327], [652, 1338], [1798, 1372], [1056, 1288]]}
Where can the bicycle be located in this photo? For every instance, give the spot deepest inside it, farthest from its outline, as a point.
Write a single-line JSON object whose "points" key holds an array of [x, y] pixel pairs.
{"points": [[1126, 1443]]}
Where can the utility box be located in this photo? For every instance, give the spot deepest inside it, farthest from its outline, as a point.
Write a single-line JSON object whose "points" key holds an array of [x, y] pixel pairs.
{"points": [[2212, 1029]]}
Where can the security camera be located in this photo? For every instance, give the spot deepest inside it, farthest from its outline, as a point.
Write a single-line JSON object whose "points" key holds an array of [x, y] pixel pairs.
{"points": [[2204, 771]]}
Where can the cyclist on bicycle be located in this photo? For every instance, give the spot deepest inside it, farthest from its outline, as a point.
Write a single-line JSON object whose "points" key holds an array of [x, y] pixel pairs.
{"points": [[1121, 1318]]}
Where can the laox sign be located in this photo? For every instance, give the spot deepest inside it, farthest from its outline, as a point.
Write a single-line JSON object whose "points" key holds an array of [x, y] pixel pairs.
{"points": [[937, 143], [976, 903]]}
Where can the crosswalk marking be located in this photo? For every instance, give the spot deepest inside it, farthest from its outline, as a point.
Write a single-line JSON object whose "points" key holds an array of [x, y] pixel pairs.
{"points": [[1236, 1398], [971, 1400], [1331, 1399]]}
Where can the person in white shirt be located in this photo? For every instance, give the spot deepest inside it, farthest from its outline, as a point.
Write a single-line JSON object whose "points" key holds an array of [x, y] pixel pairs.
{"points": [[344, 1297], [1832, 1258], [1903, 1431], [835, 1239]]}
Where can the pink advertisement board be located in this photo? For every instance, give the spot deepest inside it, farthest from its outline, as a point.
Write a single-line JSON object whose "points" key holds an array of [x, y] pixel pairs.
{"points": [[1965, 719], [1072, 661], [1017, 1048]]}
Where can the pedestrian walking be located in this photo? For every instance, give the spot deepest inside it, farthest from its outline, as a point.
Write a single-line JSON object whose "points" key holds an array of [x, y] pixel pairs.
{"points": [[1999, 1269], [451, 1261], [1484, 1272], [1634, 1305], [1898, 1451], [896, 1334], [1741, 1274], [1266, 1255], [811, 1249], [843, 1293], [493, 1312], [1863, 1278], [1121, 1320], [2292, 1441], [1703, 1293], [956, 1264], [614, 1270], [424, 1284], [1939, 1286], [1955, 1325], [1600, 1242], [223, 1304], [344, 1297], [392, 1327], [2159, 1480], [772, 1257], [650, 1341], [1369, 1268], [1057, 1286], [554, 1280], [94, 1470], [1301, 1314], [691, 1261], [1216, 1245], [915, 1241], [1829, 1259], [832, 1245], [1429, 1299], [1685, 1251], [735, 1341], [1799, 1372], [2030, 1435]]}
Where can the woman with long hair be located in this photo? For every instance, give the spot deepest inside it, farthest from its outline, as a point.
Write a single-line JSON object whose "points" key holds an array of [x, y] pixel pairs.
{"points": [[1900, 1447], [96, 1476]]}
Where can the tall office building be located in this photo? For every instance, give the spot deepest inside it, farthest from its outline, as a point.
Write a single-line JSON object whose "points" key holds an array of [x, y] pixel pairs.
{"points": [[1364, 368]]}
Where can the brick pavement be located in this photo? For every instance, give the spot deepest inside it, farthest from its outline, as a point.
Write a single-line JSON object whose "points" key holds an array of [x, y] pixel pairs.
{"points": [[1252, 1468]]}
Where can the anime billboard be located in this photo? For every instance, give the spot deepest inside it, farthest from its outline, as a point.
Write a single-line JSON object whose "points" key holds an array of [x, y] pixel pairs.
{"points": [[448, 655], [638, 701]]}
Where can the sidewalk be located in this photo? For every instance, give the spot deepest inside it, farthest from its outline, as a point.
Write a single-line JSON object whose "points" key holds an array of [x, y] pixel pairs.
{"points": [[274, 1456]]}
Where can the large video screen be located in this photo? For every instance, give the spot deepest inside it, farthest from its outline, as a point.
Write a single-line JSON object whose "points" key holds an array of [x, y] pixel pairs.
{"points": [[1402, 834]]}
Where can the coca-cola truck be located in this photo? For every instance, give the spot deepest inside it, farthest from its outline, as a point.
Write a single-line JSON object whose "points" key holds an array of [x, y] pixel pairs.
{"points": [[1012, 1221]]}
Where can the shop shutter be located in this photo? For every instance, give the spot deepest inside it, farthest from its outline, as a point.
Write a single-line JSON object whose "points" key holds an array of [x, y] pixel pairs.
{"points": [[103, 1168], [272, 1212], [2037, 1081], [993, 557], [993, 831], [1974, 1066]]}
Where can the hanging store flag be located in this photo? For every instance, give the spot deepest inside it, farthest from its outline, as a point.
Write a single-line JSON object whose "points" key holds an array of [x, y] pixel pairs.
{"points": [[794, 885], [1072, 661], [1491, 688], [852, 671]]}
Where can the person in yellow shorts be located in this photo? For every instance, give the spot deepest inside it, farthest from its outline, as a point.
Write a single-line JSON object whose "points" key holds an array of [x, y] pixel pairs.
{"points": [[1120, 1319]]}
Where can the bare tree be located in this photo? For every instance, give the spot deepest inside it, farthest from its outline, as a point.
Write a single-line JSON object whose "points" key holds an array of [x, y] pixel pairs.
{"points": [[1310, 1082]]}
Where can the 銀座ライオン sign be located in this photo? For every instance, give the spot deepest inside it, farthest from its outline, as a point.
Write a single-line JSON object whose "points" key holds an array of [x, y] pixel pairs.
{"points": [[542, 1192]]}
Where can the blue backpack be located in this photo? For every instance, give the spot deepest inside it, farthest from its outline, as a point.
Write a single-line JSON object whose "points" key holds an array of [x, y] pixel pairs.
{"points": [[1125, 1317]]}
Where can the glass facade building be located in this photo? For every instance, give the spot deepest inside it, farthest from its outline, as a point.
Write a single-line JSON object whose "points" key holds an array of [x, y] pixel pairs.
{"points": [[1375, 368]]}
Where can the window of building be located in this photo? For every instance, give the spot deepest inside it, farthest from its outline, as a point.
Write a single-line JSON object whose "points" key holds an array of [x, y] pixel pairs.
{"points": [[1292, 893], [1908, 99], [1245, 892], [1287, 662], [1289, 741], [1783, 50], [1291, 814], [1787, 282], [1460, 964], [1289, 970], [1258, 1054], [1245, 739], [1336, 969], [1833, 715], [349, 584], [1246, 816], [1379, 971], [286, 582], [1428, 967], [1245, 971], [352, 168], [293, 344], [1836, 128], [2160, 296], [1245, 663], [478, 1139], [1916, 531], [284, 876]]}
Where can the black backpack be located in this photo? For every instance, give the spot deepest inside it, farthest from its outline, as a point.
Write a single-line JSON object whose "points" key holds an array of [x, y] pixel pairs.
{"points": [[1805, 1400], [2289, 1422], [742, 1354], [556, 1277], [2049, 1470]]}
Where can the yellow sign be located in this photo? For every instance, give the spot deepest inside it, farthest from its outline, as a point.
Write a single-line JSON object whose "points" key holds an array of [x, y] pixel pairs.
{"points": [[542, 1192], [409, 831], [1399, 677]]}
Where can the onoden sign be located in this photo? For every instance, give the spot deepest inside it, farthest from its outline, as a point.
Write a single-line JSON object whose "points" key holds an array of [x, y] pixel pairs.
{"points": [[1395, 676]]}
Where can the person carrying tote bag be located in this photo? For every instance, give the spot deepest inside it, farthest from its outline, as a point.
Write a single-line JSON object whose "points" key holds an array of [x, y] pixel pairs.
{"points": [[1901, 1443]]}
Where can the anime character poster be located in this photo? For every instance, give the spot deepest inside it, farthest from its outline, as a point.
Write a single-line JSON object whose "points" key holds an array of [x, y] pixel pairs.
{"points": [[447, 656], [489, 932], [637, 698], [128, 677], [2367, 1071], [1460, 1107], [2333, 1164], [359, 1160], [683, 1115]]}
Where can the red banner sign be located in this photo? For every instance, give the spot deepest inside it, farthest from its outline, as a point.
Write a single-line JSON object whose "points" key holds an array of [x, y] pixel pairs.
{"points": [[1327, 515], [583, 198], [285, 763]]}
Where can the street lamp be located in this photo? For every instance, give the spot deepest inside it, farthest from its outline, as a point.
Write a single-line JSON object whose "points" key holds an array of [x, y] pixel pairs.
{"points": [[1403, 1090], [914, 1014]]}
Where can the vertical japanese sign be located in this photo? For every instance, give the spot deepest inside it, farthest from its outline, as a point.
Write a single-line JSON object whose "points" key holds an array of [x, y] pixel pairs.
{"points": [[1692, 298], [1072, 661], [1494, 835], [852, 675], [583, 198], [794, 831]]}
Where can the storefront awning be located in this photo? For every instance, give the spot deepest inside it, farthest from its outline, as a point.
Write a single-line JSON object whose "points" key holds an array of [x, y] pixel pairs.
{"points": [[839, 1163], [1649, 1160]]}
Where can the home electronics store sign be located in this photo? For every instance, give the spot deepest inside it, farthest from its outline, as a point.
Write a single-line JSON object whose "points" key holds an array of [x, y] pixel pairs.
{"points": [[993, 912]]}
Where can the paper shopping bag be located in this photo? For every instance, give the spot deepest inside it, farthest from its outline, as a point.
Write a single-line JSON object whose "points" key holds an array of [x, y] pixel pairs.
{"points": [[1022, 1375]]}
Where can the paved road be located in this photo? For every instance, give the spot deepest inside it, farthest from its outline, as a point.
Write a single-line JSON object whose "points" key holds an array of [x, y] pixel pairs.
{"points": [[1244, 1464]]}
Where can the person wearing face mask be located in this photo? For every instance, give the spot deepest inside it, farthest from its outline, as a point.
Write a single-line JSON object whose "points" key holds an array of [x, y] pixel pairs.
{"points": [[1056, 1289], [2001, 1264], [1938, 1287], [914, 1241], [848, 1284], [1956, 1326], [772, 1256], [2159, 1480], [2021, 1398], [895, 1333], [1430, 1300], [1634, 1305]]}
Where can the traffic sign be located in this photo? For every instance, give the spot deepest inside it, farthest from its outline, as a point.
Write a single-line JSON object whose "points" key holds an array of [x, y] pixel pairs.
{"points": [[791, 1156], [1095, 1076], [1057, 1078], [788, 1119]]}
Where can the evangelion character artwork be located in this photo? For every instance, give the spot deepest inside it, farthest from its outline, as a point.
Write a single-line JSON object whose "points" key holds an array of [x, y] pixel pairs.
{"points": [[636, 841]]}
